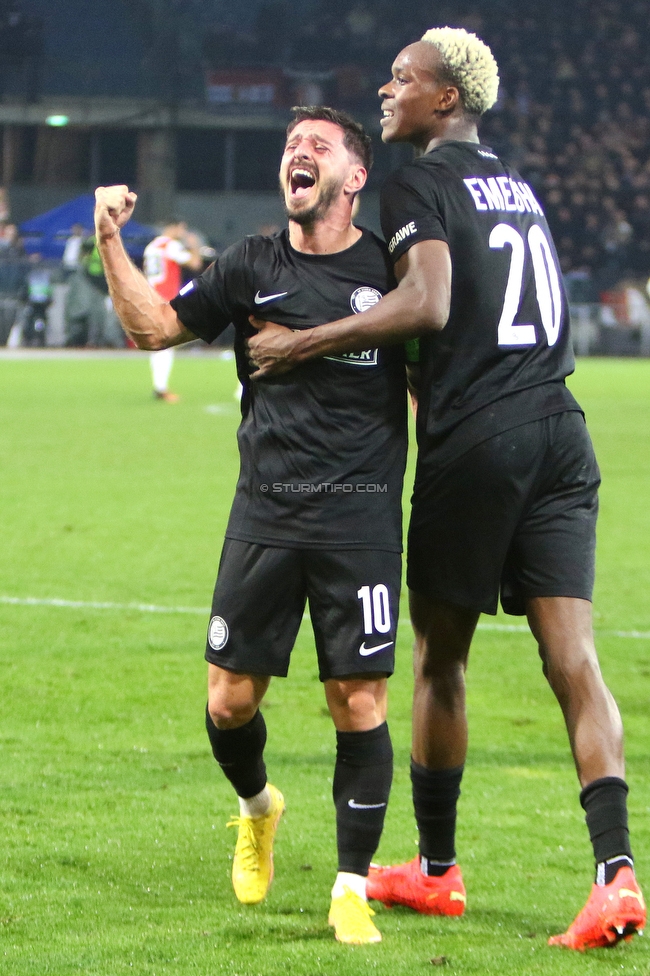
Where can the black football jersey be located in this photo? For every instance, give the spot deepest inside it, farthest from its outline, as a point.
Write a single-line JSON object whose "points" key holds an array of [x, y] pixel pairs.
{"points": [[503, 356], [323, 447]]}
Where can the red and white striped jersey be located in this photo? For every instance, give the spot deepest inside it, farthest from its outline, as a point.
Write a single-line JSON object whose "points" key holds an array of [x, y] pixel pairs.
{"points": [[163, 259]]}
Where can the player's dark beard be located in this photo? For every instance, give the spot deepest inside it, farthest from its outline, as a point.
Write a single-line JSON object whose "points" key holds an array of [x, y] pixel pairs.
{"points": [[328, 193]]}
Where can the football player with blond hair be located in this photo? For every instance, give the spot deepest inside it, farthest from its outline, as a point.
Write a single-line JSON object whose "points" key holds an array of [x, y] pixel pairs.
{"points": [[505, 497]]}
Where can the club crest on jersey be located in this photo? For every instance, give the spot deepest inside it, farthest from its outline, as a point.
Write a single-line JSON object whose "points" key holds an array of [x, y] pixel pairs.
{"points": [[218, 633], [364, 298], [361, 300]]}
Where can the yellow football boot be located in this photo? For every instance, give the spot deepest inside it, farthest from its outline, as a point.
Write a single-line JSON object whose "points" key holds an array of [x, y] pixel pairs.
{"points": [[252, 866], [351, 918]]}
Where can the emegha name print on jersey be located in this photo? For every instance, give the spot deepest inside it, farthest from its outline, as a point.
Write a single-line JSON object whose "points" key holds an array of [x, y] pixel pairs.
{"points": [[501, 193]]}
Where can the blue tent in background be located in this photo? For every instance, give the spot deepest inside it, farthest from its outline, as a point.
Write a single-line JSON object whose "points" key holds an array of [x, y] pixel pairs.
{"points": [[47, 233]]}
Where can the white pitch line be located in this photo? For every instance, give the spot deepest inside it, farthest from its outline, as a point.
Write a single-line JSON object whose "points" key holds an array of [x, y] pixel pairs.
{"points": [[32, 601], [524, 629], [505, 628]]}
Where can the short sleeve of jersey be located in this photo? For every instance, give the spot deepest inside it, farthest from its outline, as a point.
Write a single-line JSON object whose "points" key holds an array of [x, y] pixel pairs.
{"points": [[175, 251], [410, 210], [206, 305]]}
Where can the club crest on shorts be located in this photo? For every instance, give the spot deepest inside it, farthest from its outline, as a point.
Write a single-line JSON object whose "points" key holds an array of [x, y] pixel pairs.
{"points": [[218, 633], [364, 298]]}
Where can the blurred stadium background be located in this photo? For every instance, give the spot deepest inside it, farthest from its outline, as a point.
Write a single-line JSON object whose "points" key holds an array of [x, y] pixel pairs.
{"points": [[113, 848], [187, 101]]}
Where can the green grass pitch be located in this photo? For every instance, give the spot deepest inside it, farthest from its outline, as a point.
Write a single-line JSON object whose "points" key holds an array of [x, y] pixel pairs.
{"points": [[114, 856]]}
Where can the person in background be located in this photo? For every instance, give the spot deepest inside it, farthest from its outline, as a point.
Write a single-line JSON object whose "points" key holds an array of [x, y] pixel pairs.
{"points": [[89, 316], [164, 256], [39, 299], [72, 252], [13, 269], [5, 209]]}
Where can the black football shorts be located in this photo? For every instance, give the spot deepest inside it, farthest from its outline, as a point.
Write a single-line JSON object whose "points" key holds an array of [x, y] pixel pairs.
{"points": [[515, 515], [260, 598]]}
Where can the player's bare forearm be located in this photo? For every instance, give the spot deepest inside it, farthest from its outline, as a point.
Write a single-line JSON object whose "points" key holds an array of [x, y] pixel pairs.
{"points": [[418, 305], [146, 317], [276, 349]]}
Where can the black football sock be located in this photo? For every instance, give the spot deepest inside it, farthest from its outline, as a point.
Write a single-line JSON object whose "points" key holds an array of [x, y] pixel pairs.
{"points": [[435, 796], [606, 871], [362, 781], [605, 804], [239, 752]]}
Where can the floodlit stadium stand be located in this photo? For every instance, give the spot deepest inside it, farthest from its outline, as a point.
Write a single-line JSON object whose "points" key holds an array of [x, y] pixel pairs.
{"points": [[187, 101]]}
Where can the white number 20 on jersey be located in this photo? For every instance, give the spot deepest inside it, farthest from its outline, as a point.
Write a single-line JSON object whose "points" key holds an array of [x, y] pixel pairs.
{"points": [[547, 285]]}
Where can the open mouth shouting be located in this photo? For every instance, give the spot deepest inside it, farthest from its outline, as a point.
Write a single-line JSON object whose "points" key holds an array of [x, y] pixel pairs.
{"points": [[301, 181]]}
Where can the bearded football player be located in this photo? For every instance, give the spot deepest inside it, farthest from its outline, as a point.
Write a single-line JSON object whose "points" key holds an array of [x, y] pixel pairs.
{"points": [[317, 511]]}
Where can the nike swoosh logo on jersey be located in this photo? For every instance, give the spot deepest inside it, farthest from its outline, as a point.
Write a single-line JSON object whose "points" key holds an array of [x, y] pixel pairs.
{"points": [[365, 651], [263, 299], [365, 806]]}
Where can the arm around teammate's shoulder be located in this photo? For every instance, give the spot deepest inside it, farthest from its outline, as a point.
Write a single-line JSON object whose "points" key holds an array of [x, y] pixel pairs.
{"points": [[419, 305], [146, 317]]}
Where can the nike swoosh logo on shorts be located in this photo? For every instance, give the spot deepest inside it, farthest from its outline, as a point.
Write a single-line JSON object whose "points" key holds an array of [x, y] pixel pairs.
{"points": [[365, 806], [262, 300], [366, 651]]}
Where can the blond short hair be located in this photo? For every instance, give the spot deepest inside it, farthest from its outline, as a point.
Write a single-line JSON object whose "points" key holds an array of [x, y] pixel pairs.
{"points": [[469, 65]]}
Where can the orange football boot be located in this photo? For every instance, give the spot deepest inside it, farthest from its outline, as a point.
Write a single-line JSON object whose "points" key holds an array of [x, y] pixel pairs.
{"points": [[613, 912], [404, 884]]}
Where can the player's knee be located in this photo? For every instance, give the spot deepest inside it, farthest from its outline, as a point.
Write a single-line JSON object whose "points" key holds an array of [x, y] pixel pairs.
{"points": [[574, 673], [229, 711], [357, 705], [361, 708], [435, 665]]}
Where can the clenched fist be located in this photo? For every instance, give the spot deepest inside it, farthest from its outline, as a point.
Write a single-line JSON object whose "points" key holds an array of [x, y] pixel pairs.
{"points": [[113, 208]]}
